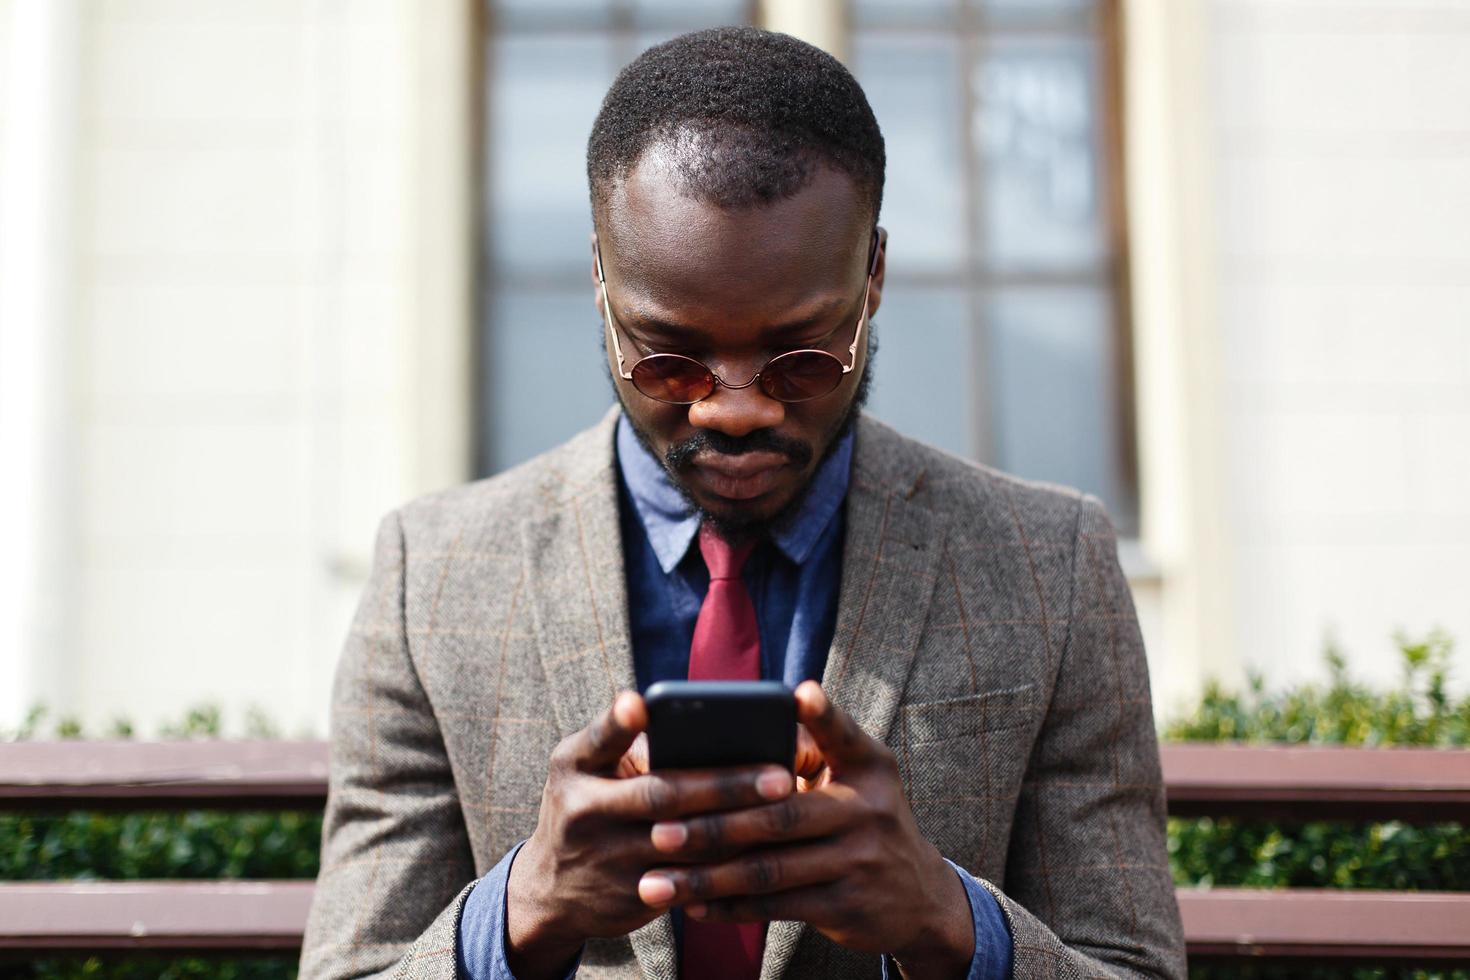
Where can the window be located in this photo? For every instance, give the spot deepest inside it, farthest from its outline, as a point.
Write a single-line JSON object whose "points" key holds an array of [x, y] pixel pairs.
{"points": [[1006, 300], [547, 65]]}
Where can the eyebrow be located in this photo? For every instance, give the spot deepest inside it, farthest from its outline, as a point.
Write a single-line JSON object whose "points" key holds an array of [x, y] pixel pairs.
{"points": [[680, 332]]}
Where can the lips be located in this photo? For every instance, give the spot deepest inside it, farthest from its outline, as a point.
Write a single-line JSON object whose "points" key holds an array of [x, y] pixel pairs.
{"points": [[739, 477]]}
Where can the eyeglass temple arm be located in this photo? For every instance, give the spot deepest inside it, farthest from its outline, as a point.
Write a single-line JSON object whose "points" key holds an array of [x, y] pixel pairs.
{"points": [[607, 311], [857, 335]]}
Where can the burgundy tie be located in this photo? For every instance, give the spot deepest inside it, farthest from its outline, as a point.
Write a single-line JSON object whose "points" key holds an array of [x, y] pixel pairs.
{"points": [[727, 647]]}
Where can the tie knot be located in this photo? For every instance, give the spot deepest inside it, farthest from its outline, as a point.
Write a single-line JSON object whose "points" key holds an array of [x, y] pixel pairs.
{"points": [[723, 559]]}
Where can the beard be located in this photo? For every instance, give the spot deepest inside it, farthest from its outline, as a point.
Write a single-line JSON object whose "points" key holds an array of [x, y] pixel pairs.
{"points": [[738, 528]]}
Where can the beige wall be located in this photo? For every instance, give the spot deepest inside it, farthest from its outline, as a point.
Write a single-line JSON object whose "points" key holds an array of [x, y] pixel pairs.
{"points": [[268, 334], [5, 16], [271, 324], [1300, 180], [1343, 182]]}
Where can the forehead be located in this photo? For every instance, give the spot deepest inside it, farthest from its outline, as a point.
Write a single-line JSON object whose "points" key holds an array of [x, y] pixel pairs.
{"points": [[674, 247]]}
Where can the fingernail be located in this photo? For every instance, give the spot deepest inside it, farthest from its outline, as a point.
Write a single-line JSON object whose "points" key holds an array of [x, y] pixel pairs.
{"points": [[670, 835], [655, 889], [696, 910], [773, 784]]}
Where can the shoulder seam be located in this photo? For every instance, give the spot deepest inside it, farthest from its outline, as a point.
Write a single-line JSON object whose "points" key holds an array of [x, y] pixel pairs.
{"points": [[1081, 507]]}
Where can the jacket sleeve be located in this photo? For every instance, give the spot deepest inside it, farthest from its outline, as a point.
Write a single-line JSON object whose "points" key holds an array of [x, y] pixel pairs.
{"points": [[1088, 892], [396, 863]]}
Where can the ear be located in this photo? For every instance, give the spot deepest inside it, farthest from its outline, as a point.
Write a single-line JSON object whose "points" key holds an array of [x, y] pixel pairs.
{"points": [[878, 268]]}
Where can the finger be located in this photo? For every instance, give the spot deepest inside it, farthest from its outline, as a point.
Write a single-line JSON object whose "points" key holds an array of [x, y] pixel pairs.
{"points": [[599, 746], [681, 793], [797, 817], [756, 873], [813, 904], [838, 736], [809, 761], [634, 761], [655, 891]]}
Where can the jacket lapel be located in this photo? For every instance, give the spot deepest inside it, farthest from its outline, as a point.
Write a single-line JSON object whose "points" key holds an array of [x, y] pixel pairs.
{"points": [[576, 587], [890, 558], [579, 603]]}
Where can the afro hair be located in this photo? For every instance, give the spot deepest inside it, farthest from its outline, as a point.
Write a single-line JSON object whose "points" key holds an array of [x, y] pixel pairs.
{"points": [[749, 113]]}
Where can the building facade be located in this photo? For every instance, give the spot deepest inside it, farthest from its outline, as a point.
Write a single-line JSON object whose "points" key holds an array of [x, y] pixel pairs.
{"points": [[266, 268]]}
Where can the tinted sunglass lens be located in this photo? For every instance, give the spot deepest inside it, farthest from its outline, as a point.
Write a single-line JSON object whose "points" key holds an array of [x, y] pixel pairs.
{"points": [[673, 378], [801, 375]]}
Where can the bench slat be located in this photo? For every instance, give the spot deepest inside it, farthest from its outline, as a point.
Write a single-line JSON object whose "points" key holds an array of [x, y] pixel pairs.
{"points": [[1317, 782], [270, 915], [1326, 923], [168, 775], [216, 915]]}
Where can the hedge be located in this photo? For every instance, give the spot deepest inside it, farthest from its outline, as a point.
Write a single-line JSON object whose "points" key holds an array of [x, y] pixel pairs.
{"points": [[202, 844], [1420, 710]]}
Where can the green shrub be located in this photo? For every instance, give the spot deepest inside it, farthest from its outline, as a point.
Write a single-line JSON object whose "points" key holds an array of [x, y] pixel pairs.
{"points": [[132, 966], [1420, 711], [1225, 851], [189, 844]]}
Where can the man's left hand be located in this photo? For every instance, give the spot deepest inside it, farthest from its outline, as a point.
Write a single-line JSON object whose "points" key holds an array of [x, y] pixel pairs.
{"points": [[846, 857]]}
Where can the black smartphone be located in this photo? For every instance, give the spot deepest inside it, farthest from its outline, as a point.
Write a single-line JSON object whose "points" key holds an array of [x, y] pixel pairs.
{"points": [[704, 724]]}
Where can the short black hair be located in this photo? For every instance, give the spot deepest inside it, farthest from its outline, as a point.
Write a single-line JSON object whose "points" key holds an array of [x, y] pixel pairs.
{"points": [[759, 110]]}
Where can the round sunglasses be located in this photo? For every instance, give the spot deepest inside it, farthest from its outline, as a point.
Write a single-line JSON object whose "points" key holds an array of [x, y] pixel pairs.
{"points": [[791, 376]]}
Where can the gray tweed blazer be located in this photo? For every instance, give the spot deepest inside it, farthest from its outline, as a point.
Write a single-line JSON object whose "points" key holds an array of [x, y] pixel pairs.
{"points": [[984, 631]]}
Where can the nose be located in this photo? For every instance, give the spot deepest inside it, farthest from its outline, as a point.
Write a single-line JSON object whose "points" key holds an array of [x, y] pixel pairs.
{"points": [[737, 411]]}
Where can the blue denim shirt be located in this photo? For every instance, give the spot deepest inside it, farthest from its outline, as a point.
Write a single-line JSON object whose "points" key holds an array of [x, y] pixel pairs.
{"points": [[793, 583]]}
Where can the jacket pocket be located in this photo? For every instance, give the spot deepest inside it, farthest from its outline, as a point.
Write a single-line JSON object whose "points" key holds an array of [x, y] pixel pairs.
{"points": [[937, 721], [962, 762]]}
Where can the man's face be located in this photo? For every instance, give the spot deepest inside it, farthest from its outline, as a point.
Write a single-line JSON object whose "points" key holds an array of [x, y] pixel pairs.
{"points": [[733, 289]]}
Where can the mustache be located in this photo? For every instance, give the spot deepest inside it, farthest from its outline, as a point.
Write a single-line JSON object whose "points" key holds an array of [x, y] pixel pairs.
{"points": [[681, 454]]}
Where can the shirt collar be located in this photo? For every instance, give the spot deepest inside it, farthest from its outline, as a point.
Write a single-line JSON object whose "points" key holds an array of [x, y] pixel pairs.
{"points": [[672, 522]]}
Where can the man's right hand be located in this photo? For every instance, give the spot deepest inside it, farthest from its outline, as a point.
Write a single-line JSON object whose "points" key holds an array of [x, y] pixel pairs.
{"points": [[577, 877]]}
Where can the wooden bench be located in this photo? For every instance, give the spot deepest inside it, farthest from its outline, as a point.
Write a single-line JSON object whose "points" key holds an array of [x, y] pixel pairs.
{"points": [[1416, 785]]}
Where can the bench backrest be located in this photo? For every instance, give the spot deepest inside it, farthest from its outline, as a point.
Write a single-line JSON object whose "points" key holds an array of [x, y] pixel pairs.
{"points": [[1416, 785]]}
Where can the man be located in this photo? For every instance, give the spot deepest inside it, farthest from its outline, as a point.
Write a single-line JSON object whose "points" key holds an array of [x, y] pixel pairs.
{"points": [[979, 792]]}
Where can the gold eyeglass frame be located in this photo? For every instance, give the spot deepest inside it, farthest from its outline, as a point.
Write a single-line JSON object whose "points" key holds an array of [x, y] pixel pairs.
{"points": [[626, 372]]}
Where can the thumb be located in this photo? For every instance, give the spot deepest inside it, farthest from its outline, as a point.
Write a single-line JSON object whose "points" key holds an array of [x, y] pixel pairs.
{"points": [[599, 746], [839, 738]]}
